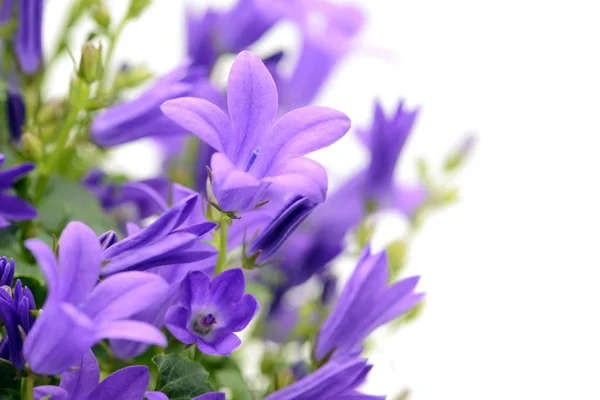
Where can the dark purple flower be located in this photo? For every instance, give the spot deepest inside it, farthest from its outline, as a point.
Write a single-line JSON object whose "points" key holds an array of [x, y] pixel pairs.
{"points": [[28, 41], [15, 314], [15, 113], [366, 303], [12, 207], [83, 383], [169, 240], [256, 153], [7, 271], [337, 379], [142, 117], [283, 224], [205, 396], [131, 201], [79, 311], [210, 311]]}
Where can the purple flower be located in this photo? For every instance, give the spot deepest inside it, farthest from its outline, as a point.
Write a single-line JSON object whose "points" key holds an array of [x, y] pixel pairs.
{"points": [[79, 311], [83, 383], [167, 241], [12, 207], [7, 271], [141, 117], [255, 153], [210, 311], [131, 201], [283, 224], [366, 303], [337, 379], [28, 41], [205, 396], [6, 9], [15, 113], [200, 46], [15, 315]]}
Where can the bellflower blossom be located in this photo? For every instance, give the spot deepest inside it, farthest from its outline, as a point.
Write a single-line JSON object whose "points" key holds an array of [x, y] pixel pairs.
{"points": [[366, 303], [12, 207], [79, 311], [167, 241], [210, 311], [15, 313], [28, 40], [337, 379], [83, 383], [256, 153]]}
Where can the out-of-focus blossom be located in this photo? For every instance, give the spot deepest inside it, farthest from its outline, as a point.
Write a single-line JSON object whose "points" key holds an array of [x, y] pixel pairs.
{"points": [[6, 9], [205, 396], [15, 314], [209, 312], [28, 40], [167, 241], [256, 153], [79, 311], [15, 113], [12, 207], [366, 303], [83, 383], [337, 379]]}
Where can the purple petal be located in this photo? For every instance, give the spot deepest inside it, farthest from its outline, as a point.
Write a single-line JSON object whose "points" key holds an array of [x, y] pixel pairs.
{"points": [[156, 396], [202, 118], [47, 262], [242, 313], [176, 322], [28, 43], [55, 393], [194, 289], [80, 381], [122, 295], [408, 199], [14, 208], [131, 330], [299, 175], [128, 383], [210, 396], [228, 287], [252, 103], [80, 257], [9, 175], [223, 347]]}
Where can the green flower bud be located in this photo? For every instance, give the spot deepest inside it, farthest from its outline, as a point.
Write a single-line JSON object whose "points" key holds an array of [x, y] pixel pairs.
{"points": [[90, 65], [136, 7], [100, 14], [32, 145]]}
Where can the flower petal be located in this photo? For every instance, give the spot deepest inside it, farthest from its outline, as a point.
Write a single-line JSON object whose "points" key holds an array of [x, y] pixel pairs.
{"points": [[210, 396], [299, 175], [228, 287], [131, 330], [47, 261], [81, 381], [243, 313], [176, 322], [9, 175], [126, 384], [202, 118], [194, 289], [55, 393], [223, 347], [14, 208]]}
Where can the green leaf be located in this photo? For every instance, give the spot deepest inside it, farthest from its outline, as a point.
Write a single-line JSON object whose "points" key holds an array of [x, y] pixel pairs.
{"points": [[179, 378], [69, 201], [10, 381]]}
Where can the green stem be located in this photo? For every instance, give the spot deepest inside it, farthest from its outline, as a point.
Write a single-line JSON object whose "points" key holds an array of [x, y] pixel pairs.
{"points": [[112, 41], [29, 383], [222, 258]]}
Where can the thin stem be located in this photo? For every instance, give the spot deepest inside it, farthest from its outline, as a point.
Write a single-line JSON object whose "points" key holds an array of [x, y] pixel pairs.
{"points": [[112, 41], [222, 259], [29, 383]]}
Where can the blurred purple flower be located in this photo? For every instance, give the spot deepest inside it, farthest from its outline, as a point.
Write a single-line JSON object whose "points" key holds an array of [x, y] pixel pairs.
{"points": [[366, 303], [205, 396], [12, 207], [6, 9], [253, 152], [15, 113], [28, 41], [337, 379], [83, 383], [167, 241], [79, 311], [210, 311], [15, 314]]}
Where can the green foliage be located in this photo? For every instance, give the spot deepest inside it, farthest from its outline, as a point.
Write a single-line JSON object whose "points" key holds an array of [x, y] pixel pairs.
{"points": [[179, 378], [69, 201], [10, 381]]}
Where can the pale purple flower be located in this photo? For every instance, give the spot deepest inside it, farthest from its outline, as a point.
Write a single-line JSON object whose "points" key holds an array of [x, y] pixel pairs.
{"points": [[12, 207], [79, 311], [255, 152], [169, 240], [366, 303], [15, 314], [211, 311], [83, 383], [337, 379], [205, 396], [28, 40]]}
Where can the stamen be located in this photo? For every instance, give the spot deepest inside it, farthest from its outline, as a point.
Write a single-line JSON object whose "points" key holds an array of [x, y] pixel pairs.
{"points": [[253, 156], [209, 320]]}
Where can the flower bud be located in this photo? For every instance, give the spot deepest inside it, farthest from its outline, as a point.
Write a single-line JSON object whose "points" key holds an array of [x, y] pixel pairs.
{"points": [[90, 65], [7, 271], [100, 14], [15, 113], [33, 146], [136, 7]]}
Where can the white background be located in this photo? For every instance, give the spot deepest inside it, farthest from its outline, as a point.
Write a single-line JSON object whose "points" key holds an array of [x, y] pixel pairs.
{"points": [[512, 271]]}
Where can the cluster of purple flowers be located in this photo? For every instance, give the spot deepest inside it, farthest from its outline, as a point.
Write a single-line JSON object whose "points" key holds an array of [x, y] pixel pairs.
{"points": [[257, 213]]}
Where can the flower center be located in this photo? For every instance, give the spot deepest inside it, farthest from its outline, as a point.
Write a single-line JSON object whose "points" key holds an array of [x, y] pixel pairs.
{"points": [[203, 324], [253, 156]]}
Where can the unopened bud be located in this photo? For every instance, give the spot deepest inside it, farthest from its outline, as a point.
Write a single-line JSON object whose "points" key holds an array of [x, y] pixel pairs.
{"points": [[32, 145], [100, 14], [136, 7], [90, 65]]}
